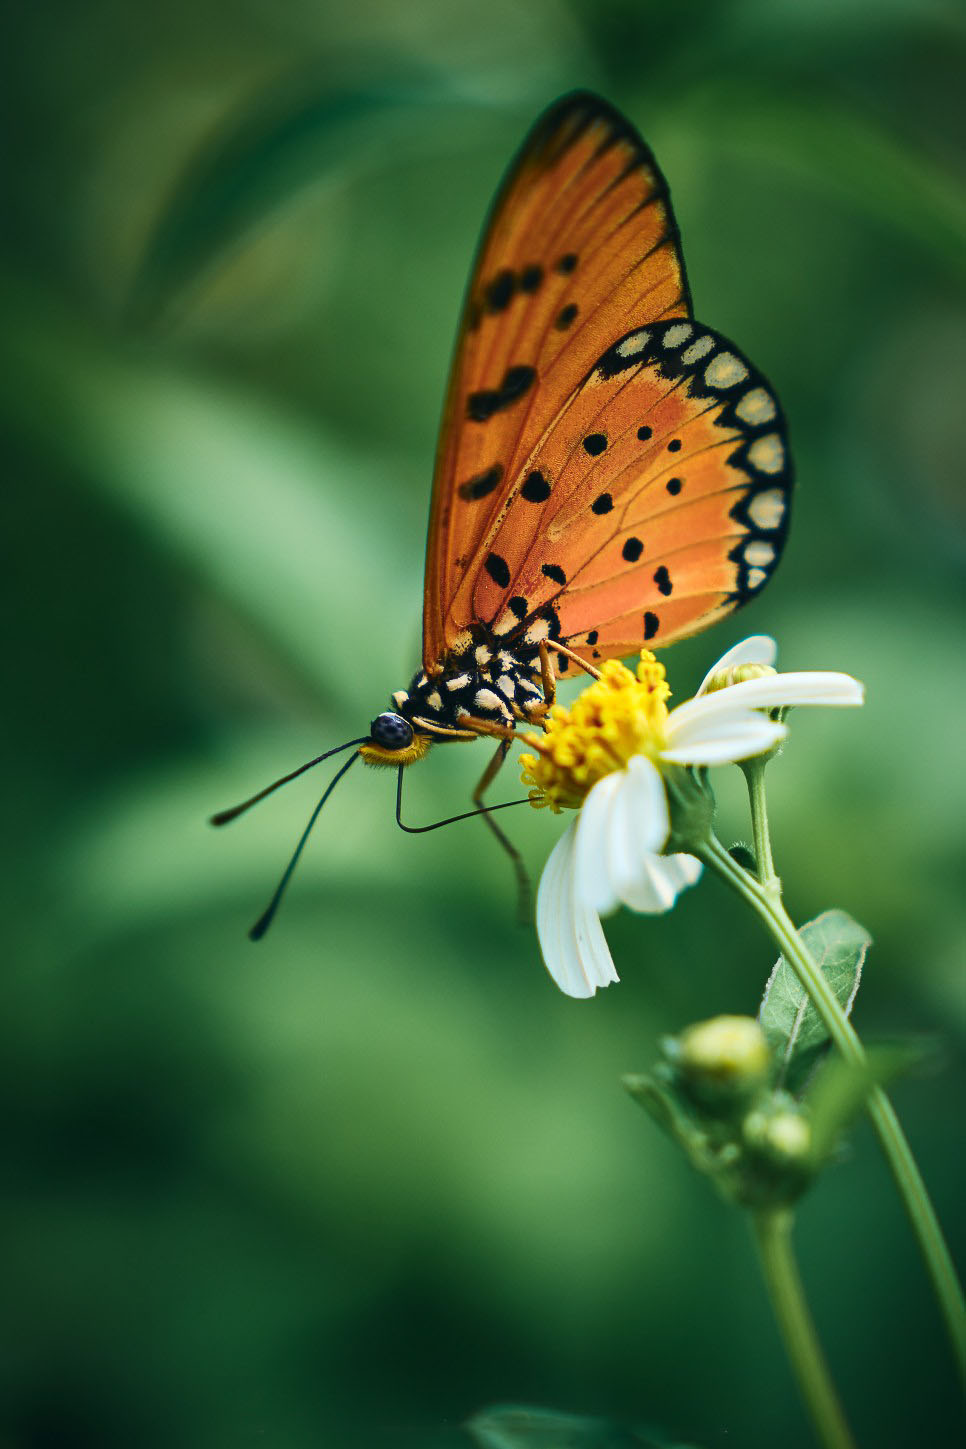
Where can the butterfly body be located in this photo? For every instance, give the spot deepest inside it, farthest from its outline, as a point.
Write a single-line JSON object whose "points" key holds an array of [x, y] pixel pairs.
{"points": [[490, 683]]}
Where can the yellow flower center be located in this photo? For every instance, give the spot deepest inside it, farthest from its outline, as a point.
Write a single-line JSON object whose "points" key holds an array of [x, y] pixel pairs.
{"points": [[618, 716]]}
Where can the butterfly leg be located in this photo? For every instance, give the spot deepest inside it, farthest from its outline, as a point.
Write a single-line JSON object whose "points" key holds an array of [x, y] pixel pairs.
{"points": [[547, 678], [524, 891]]}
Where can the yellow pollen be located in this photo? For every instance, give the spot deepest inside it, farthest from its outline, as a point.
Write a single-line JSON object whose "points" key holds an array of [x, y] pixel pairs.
{"points": [[737, 674], [618, 716]]}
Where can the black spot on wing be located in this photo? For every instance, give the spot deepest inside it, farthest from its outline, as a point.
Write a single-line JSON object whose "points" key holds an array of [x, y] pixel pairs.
{"points": [[530, 278], [595, 443], [566, 264], [497, 569], [632, 550], [674, 446], [480, 406], [498, 293], [518, 606], [592, 636], [663, 580], [481, 484], [644, 433], [603, 503], [536, 489], [673, 486], [555, 572], [651, 625], [566, 316]]}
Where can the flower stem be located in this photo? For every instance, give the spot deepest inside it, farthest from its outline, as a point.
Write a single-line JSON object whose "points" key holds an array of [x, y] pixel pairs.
{"points": [[773, 1234], [895, 1148], [754, 773]]}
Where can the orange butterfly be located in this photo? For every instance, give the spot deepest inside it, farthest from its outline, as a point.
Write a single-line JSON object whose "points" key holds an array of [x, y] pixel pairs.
{"points": [[610, 472]]}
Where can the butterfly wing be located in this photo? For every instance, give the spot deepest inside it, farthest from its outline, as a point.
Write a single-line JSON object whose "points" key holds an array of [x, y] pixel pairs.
{"points": [[581, 246], [663, 488]]}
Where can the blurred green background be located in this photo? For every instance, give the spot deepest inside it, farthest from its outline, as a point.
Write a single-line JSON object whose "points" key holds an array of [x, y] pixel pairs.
{"points": [[354, 1184]]}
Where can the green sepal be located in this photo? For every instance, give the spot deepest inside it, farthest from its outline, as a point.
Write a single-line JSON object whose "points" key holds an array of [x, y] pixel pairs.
{"points": [[518, 1426], [708, 1147], [793, 1028]]}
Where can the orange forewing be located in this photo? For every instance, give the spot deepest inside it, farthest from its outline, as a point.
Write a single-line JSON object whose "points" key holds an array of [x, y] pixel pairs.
{"points": [[580, 247]]}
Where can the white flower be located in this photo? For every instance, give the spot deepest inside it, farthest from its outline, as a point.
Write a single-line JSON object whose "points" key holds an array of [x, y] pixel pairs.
{"points": [[605, 756]]}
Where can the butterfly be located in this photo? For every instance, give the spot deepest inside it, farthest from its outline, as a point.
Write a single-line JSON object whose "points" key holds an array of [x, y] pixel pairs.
{"points": [[611, 473]]}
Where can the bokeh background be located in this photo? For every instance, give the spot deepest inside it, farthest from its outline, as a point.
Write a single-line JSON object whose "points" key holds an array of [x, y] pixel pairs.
{"points": [[352, 1185]]}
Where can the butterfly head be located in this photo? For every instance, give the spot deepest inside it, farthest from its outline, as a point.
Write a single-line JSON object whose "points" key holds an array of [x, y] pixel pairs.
{"points": [[393, 741]]}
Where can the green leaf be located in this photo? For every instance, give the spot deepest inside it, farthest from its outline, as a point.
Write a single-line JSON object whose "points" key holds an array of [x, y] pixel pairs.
{"points": [[290, 136], [517, 1426], [840, 1089], [793, 1028]]}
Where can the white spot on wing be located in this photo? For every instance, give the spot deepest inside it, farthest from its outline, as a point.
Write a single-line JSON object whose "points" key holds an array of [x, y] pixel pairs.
{"points": [[767, 509], [458, 682], [760, 553], [483, 655], [767, 454], [697, 350], [435, 700], [674, 336], [725, 370], [756, 407], [400, 698], [506, 685], [538, 630], [634, 344], [505, 623], [756, 577]]}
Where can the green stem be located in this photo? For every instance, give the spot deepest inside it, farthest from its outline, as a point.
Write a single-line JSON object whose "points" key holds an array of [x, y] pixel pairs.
{"points": [[895, 1148], [754, 773], [773, 1233]]}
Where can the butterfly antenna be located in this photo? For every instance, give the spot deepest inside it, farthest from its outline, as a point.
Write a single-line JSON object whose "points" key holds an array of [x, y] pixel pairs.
{"points": [[224, 817], [265, 919]]}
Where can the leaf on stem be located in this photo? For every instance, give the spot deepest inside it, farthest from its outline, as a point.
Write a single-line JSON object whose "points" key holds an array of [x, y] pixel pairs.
{"points": [[518, 1426], [793, 1027], [839, 1092]]}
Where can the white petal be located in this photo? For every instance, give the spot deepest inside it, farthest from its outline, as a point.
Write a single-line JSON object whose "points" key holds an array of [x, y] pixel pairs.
{"points": [[592, 829], [768, 692], [723, 738], [639, 826], [759, 649], [570, 934], [624, 816], [660, 880]]}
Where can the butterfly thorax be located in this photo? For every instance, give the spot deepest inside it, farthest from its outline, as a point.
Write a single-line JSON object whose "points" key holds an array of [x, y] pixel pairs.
{"points": [[491, 679]]}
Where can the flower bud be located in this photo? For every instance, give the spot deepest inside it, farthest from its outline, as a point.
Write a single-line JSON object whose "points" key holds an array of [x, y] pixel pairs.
{"points": [[785, 1136], [737, 674], [727, 1051]]}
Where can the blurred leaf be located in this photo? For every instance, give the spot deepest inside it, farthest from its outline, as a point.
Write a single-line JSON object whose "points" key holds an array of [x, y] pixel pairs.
{"points": [[306, 127], [515, 1426], [846, 153], [261, 507], [840, 1089], [793, 1027]]}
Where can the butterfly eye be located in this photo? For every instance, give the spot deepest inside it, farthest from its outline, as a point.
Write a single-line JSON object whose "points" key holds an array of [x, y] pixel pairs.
{"points": [[391, 731]]}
